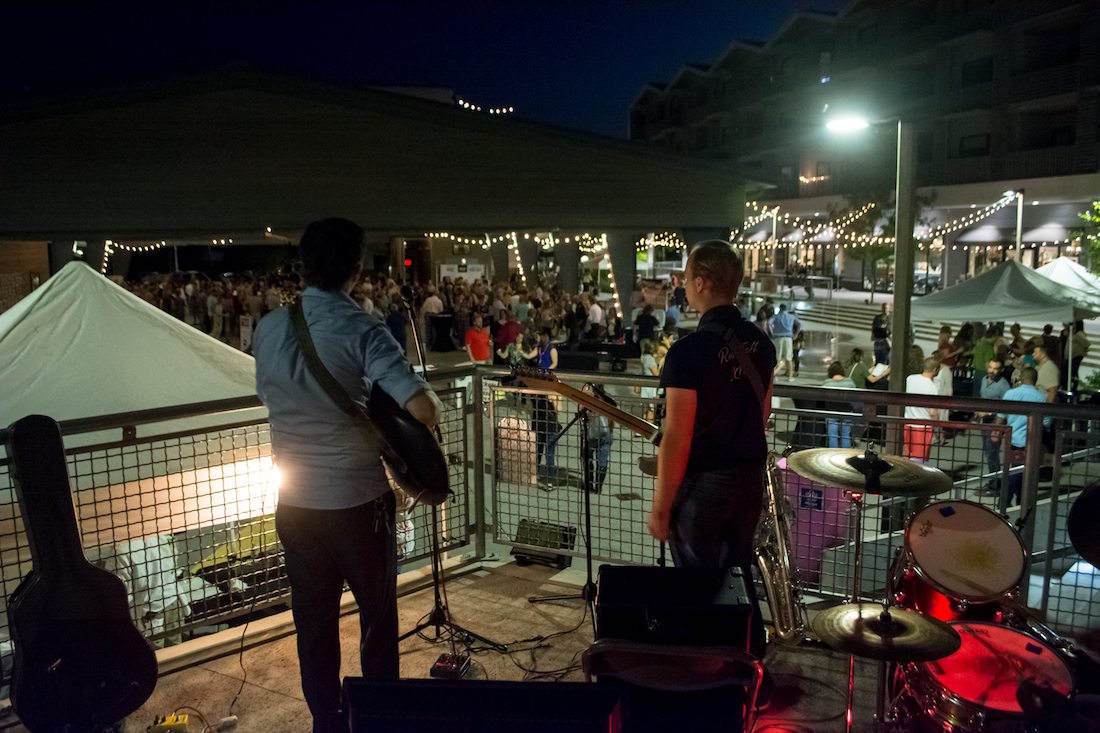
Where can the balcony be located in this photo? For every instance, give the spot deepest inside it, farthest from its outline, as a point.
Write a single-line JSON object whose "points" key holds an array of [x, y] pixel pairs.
{"points": [[1039, 163], [1043, 83]]}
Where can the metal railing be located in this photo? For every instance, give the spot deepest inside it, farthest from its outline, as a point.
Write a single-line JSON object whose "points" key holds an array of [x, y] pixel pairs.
{"points": [[183, 514]]}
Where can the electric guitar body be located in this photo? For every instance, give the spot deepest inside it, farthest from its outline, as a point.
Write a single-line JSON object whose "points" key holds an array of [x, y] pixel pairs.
{"points": [[80, 663]]}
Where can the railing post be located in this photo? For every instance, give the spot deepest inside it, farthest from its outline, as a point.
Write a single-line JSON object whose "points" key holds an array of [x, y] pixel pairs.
{"points": [[479, 463], [1033, 458]]}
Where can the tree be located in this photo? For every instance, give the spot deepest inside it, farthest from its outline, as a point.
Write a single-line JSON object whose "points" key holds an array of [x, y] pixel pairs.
{"points": [[1092, 227], [882, 216]]}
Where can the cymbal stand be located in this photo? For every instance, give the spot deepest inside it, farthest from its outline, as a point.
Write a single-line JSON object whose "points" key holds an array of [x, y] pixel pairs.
{"points": [[856, 498], [588, 592], [439, 617]]}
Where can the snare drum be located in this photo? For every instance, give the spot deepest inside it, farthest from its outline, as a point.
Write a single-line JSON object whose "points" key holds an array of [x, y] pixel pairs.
{"points": [[974, 689], [959, 558]]}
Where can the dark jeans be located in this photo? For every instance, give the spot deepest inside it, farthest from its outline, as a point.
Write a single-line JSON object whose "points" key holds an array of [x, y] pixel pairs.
{"points": [[325, 548], [713, 525]]}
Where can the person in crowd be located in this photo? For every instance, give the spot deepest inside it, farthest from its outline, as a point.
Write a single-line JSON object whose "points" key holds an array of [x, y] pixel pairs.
{"points": [[764, 315], [880, 336], [718, 384], [838, 429], [1048, 377], [1027, 391], [943, 378], [945, 349], [432, 306], [615, 331], [509, 329], [601, 437], [918, 436], [396, 323], [782, 326], [516, 353], [744, 305], [1017, 344], [962, 346], [477, 342], [336, 512], [1081, 345], [523, 306], [462, 316], [856, 369], [649, 368], [595, 320], [544, 421], [673, 314], [547, 352], [645, 325], [1052, 344], [984, 351], [798, 344], [992, 386]]}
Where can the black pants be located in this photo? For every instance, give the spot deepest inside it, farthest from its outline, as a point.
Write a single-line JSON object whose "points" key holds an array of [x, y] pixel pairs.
{"points": [[325, 548]]}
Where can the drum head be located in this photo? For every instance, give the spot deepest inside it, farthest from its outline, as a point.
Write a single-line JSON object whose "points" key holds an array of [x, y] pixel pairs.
{"points": [[991, 663], [965, 550]]}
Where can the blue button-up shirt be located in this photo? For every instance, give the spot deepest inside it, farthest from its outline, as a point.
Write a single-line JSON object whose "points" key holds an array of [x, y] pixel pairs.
{"points": [[327, 461], [783, 324], [1018, 423]]}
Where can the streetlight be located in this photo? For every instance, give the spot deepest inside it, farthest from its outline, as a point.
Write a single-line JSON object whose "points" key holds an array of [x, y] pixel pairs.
{"points": [[904, 257], [1019, 194]]}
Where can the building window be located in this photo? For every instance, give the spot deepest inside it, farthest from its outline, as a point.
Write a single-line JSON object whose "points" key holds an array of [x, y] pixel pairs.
{"points": [[978, 71], [823, 169], [973, 145]]}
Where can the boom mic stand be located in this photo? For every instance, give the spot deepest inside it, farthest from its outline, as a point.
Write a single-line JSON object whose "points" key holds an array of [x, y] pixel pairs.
{"points": [[439, 617]]}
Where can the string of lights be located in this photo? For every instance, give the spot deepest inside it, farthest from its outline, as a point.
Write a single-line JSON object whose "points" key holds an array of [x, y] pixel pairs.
{"points": [[669, 240], [466, 104]]}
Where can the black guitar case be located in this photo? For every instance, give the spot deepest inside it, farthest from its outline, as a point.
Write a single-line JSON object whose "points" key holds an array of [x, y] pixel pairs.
{"points": [[80, 663]]}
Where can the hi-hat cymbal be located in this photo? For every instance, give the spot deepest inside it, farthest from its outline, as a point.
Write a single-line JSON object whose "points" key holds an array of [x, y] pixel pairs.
{"points": [[1081, 524], [832, 467], [906, 636]]}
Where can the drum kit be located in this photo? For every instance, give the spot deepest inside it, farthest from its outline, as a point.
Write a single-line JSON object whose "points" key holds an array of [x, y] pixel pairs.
{"points": [[960, 645]]}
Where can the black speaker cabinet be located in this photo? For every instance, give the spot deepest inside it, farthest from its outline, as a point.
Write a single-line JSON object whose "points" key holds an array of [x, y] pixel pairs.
{"points": [[544, 534], [685, 606], [477, 706]]}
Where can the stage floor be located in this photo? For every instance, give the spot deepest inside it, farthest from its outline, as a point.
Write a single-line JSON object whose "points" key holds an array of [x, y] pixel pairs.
{"points": [[809, 693]]}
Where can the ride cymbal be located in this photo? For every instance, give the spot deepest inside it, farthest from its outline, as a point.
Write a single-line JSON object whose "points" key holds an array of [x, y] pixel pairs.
{"points": [[839, 467], [904, 636]]}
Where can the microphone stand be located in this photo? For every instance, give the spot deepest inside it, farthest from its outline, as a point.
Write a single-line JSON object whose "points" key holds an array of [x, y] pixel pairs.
{"points": [[440, 616], [588, 591]]}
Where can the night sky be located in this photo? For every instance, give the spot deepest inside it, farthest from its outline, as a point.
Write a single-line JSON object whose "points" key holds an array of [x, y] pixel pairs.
{"points": [[577, 64]]}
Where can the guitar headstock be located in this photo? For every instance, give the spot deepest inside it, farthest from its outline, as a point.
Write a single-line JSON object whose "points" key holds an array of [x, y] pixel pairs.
{"points": [[531, 376]]}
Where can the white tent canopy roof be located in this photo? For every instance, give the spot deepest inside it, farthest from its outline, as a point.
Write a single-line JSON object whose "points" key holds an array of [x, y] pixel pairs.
{"points": [[81, 346], [1009, 291], [1065, 271]]}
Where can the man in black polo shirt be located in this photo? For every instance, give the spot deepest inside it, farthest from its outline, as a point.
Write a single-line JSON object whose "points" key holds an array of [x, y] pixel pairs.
{"points": [[718, 383]]}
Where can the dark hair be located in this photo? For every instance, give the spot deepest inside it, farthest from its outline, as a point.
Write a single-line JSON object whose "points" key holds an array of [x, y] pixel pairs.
{"points": [[836, 369], [331, 249], [1029, 375], [717, 261]]}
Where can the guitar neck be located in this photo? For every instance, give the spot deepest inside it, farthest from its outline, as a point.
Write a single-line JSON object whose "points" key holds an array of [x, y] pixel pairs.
{"points": [[41, 478]]}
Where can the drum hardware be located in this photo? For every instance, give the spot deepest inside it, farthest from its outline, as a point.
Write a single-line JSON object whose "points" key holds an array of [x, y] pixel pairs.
{"points": [[888, 634], [860, 627]]}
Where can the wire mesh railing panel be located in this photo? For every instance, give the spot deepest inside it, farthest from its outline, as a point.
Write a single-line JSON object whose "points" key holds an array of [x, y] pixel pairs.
{"points": [[187, 522], [539, 477], [1062, 585]]}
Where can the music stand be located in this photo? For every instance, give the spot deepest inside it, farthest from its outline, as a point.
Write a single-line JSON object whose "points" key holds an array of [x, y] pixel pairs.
{"points": [[588, 404]]}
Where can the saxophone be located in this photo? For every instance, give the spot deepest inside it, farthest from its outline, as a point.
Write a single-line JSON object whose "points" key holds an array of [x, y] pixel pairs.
{"points": [[773, 558]]}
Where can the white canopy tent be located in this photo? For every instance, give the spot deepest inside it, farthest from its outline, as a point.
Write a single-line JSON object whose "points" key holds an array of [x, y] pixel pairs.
{"points": [[1009, 291], [81, 346], [1065, 271]]}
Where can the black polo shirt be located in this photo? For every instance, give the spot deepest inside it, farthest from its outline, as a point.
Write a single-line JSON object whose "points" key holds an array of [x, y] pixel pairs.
{"points": [[729, 429]]}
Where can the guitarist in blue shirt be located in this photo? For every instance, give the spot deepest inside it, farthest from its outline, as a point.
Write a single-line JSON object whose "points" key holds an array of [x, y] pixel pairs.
{"points": [[336, 511]]}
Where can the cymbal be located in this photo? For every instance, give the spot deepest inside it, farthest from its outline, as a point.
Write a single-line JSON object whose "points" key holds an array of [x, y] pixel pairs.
{"points": [[901, 476], [1081, 524], [907, 636]]}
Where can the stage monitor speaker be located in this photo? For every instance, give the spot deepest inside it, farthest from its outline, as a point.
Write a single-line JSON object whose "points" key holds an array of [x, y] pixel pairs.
{"points": [[544, 534], [578, 361], [477, 706], [684, 606]]}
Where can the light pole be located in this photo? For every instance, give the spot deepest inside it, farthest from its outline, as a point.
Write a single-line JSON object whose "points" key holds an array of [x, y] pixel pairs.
{"points": [[904, 256]]}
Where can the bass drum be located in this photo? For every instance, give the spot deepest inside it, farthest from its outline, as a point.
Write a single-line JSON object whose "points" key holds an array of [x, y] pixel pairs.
{"points": [[959, 559], [974, 689]]}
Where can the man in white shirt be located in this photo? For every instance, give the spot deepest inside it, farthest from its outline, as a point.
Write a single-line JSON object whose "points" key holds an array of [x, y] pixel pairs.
{"points": [[595, 320], [432, 306], [918, 438], [1049, 376]]}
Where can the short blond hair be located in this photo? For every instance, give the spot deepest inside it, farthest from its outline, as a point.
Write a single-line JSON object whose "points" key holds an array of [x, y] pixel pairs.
{"points": [[717, 261]]}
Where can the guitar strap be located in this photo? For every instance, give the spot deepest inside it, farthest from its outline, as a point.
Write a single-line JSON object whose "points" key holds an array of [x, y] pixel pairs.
{"points": [[321, 373], [748, 366]]}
